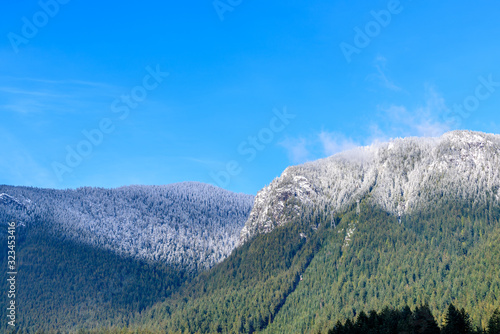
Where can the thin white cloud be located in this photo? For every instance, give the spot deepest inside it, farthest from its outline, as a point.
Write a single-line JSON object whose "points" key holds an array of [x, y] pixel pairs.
{"points": [[423, 121], [392, 121], [208, 162], [334, 142], [27, 95], [297, 149], [24, 106], [318, 145], [18, 165], [13, 90], [381, 76], [60, 82], [493, 126]]}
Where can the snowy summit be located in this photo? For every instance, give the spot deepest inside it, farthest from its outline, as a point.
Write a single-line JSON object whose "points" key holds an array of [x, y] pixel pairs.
{"points": [[400, 176]]}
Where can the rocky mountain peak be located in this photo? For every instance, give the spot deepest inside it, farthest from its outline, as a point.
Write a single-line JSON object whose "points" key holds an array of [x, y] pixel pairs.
{"points": [[400, 176]]}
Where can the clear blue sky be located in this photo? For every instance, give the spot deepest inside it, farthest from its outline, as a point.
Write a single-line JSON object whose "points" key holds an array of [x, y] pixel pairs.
{"points": [[349, 72]]}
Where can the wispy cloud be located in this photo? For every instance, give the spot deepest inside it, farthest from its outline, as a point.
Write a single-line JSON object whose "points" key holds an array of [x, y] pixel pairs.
{"points": [[14, 90], [29, 95], [58, 82], [494, 127], [18, 165], [397, 120], [207, 162], [297, 149], [23, 106], [425, 120], [316, 146], [391, 121], [381, 77], [334, 142]]}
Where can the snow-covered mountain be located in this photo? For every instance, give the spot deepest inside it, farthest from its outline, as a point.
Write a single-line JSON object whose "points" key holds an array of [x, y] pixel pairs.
{"points": [[187, 225], [400, 176]]}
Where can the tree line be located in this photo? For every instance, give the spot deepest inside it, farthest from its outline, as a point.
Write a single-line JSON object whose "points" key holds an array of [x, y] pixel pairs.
{"points": [[418, 321]]}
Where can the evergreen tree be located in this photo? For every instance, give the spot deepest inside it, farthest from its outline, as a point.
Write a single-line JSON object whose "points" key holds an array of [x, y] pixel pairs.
{"points": [[457, 322], [337, 329], [405, 321], [362, 323], [494, 323], [424, 322]]}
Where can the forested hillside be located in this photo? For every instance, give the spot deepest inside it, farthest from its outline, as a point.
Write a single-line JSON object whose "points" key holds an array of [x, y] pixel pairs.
{"points": [[93, 257], [305, 276], [188, 225], [302, 277], [245, 292], [371, 260], [64, 285], [417, 224]]}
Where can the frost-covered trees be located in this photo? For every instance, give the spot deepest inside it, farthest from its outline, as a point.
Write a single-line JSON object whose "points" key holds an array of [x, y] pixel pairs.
{"points": [[399, 176], [189, 225]]}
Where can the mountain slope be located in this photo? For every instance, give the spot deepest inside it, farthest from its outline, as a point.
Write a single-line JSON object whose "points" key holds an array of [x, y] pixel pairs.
{"points": [[304, 276], [189, 225], [406, 222], [399, 223], [243, 293], [89, 257], [401, 176], [63, 285], [450, 253]]}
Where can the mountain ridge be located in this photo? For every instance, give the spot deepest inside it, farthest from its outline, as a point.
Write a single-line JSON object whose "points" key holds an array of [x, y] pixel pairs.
{"points": [[400, 223], [189, 225], [400, 176]]}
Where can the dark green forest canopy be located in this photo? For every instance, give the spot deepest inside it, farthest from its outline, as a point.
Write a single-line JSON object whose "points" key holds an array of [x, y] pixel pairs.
{"points": [[63, 285], [419, 320], [284, 283], [304, 277]]}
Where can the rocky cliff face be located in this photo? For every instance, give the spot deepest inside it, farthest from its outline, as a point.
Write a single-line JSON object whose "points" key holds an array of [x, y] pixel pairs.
{"points": [[400, 176]]}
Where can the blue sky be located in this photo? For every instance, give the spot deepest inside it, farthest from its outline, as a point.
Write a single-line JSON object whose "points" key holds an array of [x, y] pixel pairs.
{"points": [[232, 92]]}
